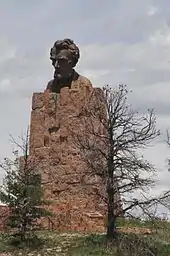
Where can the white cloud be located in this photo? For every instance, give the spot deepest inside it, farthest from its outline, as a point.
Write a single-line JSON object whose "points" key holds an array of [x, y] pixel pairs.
{"points": [[152, 10]]}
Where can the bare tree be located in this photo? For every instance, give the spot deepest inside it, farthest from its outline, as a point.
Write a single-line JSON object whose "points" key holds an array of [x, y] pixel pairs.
{"points": [[110, 139]]}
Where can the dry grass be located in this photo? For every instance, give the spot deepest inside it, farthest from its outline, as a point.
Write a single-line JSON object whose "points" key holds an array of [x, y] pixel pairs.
{"points": [[134, 240]]}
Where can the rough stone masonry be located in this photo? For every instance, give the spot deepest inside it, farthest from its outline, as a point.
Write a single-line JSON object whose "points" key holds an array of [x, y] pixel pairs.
{"points": [[66, 178], [55, 120]]}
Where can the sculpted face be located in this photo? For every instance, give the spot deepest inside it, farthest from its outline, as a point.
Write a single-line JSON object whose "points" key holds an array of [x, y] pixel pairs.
{"points": [[63, 64]]}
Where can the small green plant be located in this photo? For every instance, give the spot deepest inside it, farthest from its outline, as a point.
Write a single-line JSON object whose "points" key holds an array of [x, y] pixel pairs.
{"points": [[22, 193]]}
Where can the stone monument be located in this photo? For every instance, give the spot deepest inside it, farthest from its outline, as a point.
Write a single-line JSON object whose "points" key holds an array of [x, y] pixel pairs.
{"points": [[65, 176]]}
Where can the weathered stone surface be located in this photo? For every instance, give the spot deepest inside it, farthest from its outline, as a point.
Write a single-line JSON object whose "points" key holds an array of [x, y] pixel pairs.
{"points": [[64, 173], [37, 126], [37, 101]]}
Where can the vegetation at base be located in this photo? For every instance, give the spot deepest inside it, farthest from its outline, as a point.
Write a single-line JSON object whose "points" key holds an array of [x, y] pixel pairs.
{"points": [[75, 244], [12, 242], [22, 193], [148, 223], [128, 245]]}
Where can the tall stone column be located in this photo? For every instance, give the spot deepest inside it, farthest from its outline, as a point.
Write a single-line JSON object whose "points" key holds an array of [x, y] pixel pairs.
{"points": [[67, 181]]}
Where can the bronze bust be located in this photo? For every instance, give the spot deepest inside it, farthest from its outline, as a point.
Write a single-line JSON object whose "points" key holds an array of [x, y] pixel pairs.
{"points": [[64, 56]]}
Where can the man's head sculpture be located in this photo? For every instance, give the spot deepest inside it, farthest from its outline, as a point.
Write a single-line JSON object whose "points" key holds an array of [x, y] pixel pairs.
{"points": [[64, 56]]}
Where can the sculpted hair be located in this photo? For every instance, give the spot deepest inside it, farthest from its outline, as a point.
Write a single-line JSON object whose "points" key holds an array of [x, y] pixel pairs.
{"points": [[65, 44]]}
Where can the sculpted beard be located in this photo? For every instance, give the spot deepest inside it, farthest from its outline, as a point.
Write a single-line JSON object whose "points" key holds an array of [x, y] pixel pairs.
{"points": [[62, 74]]}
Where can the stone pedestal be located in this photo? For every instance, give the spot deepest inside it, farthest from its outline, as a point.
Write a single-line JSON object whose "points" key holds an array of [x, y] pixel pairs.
{"points": [[66, 179]]}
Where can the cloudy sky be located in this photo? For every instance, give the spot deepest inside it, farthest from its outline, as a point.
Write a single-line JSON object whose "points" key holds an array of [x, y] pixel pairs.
{"points": [[121, 41]]}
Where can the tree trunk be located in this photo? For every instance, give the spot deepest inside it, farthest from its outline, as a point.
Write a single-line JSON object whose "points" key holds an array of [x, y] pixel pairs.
{"points": [[111, 223]]}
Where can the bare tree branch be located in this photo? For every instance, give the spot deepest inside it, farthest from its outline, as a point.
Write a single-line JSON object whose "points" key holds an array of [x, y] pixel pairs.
{"points": [[110, 145]]}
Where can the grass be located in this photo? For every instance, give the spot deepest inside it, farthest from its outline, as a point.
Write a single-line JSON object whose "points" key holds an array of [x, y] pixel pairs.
{"points": [[72, 244], [145, 224], [76, 244]]}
